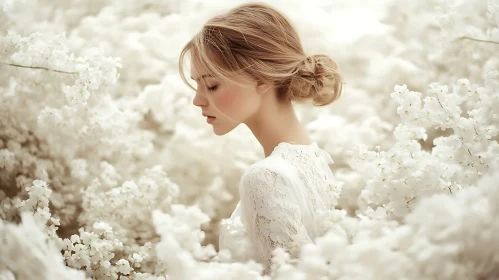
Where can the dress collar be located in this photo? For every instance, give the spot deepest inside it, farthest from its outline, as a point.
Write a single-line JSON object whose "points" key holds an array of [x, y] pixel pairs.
{"points": [[311, 147]]}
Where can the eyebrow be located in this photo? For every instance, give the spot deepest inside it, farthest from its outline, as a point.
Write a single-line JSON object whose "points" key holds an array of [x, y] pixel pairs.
{"points": [[206, 75]]}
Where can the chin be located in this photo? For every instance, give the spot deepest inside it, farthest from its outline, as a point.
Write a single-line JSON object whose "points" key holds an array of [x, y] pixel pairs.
{"points": [[222, 130]]}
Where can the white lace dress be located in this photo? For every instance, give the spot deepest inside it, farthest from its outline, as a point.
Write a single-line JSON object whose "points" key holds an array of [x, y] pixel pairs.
{"points": [[279, 198]]}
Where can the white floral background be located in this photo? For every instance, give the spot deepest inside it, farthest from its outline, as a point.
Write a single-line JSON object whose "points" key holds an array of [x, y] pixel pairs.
{"points": [[108, 172]]}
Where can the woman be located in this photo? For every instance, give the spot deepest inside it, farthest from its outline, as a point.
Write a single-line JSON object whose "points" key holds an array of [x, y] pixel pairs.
{"points": [[250, 66]]}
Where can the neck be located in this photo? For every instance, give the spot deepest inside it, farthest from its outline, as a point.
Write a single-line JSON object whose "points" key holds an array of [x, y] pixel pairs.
{"points": [[276, 123]]}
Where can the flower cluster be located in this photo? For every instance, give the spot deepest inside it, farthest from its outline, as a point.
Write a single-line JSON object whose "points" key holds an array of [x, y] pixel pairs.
{"points": [[399, 177]]}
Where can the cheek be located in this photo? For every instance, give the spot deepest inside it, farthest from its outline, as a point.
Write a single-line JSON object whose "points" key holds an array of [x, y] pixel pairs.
{"points": [[224, 102], [231, 103]]}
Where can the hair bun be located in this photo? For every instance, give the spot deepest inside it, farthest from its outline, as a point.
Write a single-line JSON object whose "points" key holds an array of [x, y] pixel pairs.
{"points": [[316, 78]]}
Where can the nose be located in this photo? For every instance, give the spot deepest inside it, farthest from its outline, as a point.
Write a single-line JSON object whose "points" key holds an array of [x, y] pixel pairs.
{"points": [[200, 100]]}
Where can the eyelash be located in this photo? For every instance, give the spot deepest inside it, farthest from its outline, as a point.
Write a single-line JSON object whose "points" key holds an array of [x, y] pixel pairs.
{"points": [[212, 88]]}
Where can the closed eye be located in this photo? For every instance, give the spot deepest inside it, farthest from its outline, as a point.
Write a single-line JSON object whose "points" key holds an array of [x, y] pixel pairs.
{"points": [[212, 88]]}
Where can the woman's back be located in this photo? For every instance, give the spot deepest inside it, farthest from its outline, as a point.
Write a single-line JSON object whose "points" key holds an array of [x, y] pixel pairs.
{"points": [[279, 199]]}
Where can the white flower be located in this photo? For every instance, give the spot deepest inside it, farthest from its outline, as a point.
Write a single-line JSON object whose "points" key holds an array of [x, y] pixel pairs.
{"points": [[137, 258], [123, 266], [75, 238]]}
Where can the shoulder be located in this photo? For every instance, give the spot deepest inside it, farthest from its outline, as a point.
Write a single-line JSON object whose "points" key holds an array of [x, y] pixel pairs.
{"points": [[260, 175], [277, 161], [271, 166], [267, 176]]}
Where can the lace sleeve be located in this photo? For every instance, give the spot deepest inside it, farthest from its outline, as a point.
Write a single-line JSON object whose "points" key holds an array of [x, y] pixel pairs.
{"points": [[272, 214]]}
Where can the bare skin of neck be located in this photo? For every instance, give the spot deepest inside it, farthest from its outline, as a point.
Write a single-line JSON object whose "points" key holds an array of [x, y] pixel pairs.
{"points": [[276, 122]]}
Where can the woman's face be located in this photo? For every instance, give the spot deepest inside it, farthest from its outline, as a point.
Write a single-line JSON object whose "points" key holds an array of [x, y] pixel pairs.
{"points": [[226, 103]]}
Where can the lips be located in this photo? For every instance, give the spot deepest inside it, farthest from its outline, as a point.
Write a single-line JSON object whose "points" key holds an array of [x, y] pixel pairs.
{"points": [[209, 119]]}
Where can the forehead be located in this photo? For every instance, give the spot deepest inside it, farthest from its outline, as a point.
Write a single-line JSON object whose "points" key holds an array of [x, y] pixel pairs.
{"points": [[197, 70]]}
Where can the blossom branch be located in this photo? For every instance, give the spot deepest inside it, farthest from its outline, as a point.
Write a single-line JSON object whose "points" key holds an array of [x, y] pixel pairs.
{"points": [[476, 40], [37, 67]]}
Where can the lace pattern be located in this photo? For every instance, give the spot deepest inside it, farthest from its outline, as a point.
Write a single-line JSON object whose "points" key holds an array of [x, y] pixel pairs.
{"points": [[279, 198], [274, 215]]}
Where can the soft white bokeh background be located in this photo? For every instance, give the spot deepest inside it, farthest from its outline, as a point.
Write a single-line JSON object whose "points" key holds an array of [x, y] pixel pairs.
{"points": [[100, 143]]}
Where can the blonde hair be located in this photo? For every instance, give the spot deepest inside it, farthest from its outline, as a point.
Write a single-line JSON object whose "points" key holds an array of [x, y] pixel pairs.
{"points": [[256, 40]]}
